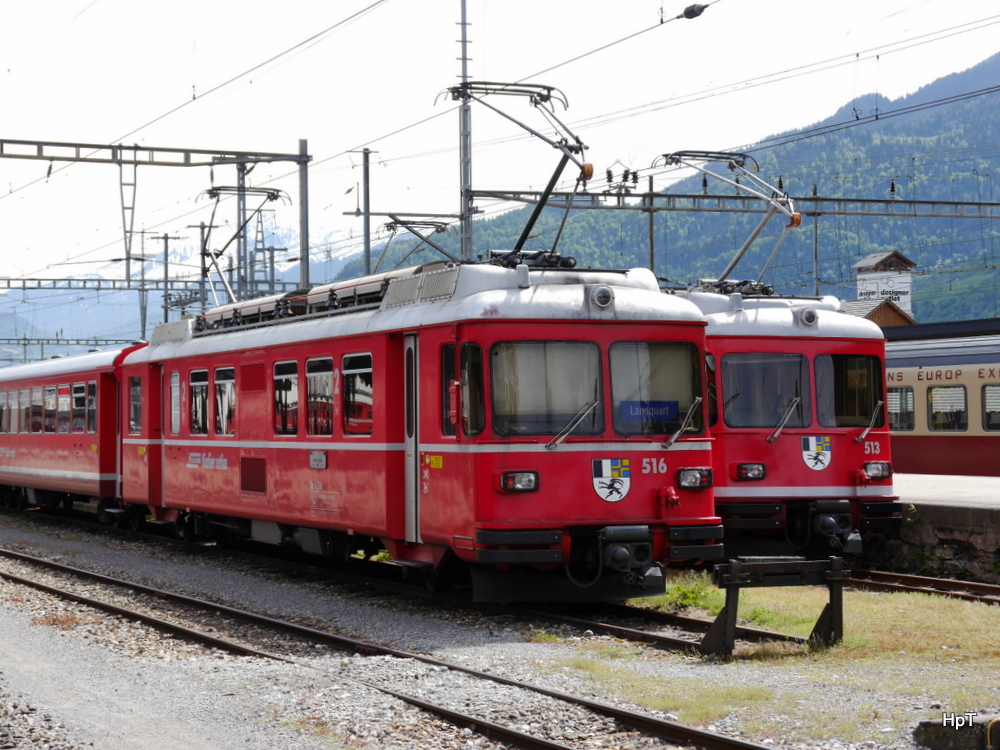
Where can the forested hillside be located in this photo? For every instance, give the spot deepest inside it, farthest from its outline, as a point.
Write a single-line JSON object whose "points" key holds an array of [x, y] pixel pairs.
{"points": [[940, 143]]}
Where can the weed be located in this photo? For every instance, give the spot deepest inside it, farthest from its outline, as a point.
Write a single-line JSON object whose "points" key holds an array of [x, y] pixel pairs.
{"points": [[542, 635]]}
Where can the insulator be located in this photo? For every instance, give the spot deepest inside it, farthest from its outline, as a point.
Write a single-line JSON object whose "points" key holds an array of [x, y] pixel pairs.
{"points": [[611, 177], [635, 176], [704, 184], [781, 183], [892, 188]]}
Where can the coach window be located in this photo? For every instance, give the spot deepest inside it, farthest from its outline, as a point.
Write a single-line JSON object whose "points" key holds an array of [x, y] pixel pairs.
{"points": [[37, 409], [175, 403], [359, 401], [991, 408], [63, 410], [25, 410], [849, 390], [947, 408], [653, 386], [92, 407], [199, 402], [135, 405], [319, 396], [546, 387], [3, 412], [286, 398], [225, 401], [758, 389], [899, 402], [13, 414], [79, 408], [50, 409]]}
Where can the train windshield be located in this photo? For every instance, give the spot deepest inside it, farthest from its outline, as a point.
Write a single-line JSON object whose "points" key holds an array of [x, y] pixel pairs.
{"points": [[849, 390], [543, 387], [653, 386], [758, 388]]}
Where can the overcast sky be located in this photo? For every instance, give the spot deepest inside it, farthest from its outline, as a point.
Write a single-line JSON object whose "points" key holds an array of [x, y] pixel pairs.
{"points": [[260, 76]]}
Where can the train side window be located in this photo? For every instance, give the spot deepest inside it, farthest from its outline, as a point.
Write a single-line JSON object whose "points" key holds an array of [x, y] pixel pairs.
{"points": [[199, 402], [25, 410], [14, 413], [947, 408], [3, 412], [175, 403], [653, 386], [135, 405], [359, 401], [78, 422], [225, 401], [319, 396], [92, 407], [37, 409], [286, 398], [849, 390], [900, 405], [473, 391], [991, 408], [50, 408], [447, 378], [63, 410], [713, 396]]}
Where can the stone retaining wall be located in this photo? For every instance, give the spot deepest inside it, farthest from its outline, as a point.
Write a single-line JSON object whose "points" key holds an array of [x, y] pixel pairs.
{"points": [[954, 541]]}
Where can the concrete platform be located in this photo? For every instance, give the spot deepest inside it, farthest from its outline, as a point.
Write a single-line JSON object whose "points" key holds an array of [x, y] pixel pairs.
{"points": [[935, 489]]}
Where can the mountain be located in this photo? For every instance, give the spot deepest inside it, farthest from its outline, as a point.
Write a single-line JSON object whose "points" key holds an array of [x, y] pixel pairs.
{"points": [[940, 143]]}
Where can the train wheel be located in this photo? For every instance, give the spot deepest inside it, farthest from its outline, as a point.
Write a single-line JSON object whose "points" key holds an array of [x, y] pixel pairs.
{"points": [[136, 516], [184, 528]]}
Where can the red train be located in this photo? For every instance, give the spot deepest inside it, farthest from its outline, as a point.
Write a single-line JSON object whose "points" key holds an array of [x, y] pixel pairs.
{"points": [[542, 428], [797, 410]]}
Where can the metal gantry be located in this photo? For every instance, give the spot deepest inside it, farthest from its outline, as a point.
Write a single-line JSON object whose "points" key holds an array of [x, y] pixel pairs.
{"points": [[130, 158], [652, 202]]}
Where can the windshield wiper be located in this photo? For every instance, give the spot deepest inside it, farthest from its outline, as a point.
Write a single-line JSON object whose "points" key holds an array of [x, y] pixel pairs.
{"points": [[863, 435], [580, 416], [784, 419], [684, 425]]}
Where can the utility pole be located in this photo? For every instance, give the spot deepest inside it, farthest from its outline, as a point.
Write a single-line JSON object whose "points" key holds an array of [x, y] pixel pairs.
{"points": [[368, 216], [166, 275], [465, 150]]}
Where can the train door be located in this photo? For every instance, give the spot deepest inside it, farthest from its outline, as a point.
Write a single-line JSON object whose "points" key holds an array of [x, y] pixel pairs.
{"points": [[411, 437]]}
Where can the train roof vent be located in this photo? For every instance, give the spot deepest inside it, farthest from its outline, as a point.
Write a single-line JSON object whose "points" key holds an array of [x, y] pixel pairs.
{"points": [[422, 287]]}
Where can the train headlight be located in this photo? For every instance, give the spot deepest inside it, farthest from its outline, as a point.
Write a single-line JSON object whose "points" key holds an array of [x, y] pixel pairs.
{"points": [[694, 479], [751, 472], [519, 481], [878, 469]]}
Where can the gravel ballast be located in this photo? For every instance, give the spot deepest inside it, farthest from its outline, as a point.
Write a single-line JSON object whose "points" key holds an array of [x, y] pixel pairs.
{"points": [[96, 682]]}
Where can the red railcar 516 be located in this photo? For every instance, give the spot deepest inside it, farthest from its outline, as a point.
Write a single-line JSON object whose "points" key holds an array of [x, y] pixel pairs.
{"points": [[542, 428]]}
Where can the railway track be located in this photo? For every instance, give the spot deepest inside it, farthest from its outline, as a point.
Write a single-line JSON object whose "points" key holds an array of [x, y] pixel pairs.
{"points": [[644, 625], [874, 580], [619, 720]]}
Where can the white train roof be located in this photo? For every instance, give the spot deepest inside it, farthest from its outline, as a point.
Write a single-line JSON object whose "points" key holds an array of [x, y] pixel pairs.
{"points": [[950, 351], [447, 295], [63, 367], [736, 315]]}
